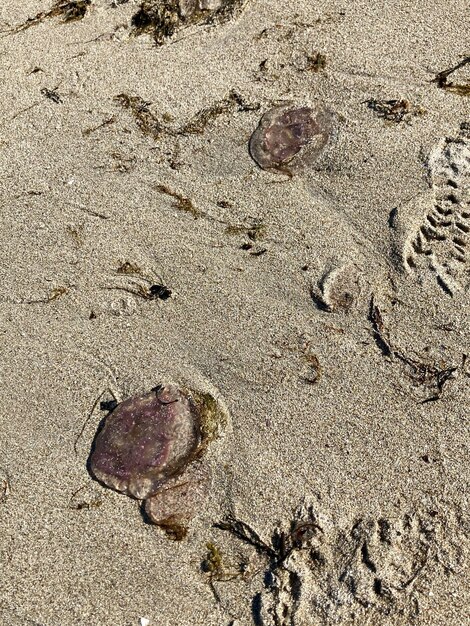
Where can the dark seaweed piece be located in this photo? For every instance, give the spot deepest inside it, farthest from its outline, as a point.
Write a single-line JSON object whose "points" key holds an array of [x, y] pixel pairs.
{"points": [[68, 11], [217, 570], [441, 377], [86, 497], [151, 125], [181, 202], [92, 129], [72, 11], [233, 102], [51, 95], [141, 285], [4, 485], [147, 122], [149, 291], [282, 544], [53, 295], [394, 110], [162, 18], [108, 405], [198, 123], [379, 330], [160, 291], [247, 534], [429, 375], [458, 88], [315, 62]]}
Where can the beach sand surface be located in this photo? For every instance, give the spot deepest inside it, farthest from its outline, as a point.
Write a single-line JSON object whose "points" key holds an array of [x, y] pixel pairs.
{"points": [[326, 309]]}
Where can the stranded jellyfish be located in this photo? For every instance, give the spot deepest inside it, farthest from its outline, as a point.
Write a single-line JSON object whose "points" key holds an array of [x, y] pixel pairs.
{"points": [[151, 448], [291, 136]]}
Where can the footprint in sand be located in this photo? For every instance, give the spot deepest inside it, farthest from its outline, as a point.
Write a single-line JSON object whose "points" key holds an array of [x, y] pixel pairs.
{"points": [[431, 234], [374, 572]]}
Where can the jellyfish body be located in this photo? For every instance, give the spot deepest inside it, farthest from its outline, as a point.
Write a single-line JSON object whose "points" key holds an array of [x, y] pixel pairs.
{"points": [[290, 135], [151, 447], [173, 506], [145, 441]]}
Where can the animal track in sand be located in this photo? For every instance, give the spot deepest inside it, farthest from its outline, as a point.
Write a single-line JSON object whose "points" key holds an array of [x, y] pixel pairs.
{"points": [[439, 240], [375, 572]]}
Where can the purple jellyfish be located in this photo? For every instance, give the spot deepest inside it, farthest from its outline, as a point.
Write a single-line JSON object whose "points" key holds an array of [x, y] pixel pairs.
{"points": [[289, 135], [151, 447]]}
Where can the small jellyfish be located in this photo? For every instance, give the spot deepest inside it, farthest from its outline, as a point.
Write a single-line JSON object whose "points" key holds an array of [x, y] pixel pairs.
{"points": [[151, 448], [290, 135]]}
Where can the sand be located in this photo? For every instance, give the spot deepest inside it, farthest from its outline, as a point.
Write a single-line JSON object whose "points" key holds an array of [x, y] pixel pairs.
{"points": [[337, 340]]}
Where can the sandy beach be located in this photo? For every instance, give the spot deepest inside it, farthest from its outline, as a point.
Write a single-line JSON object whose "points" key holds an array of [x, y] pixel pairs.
{"points": [[326, 307]]}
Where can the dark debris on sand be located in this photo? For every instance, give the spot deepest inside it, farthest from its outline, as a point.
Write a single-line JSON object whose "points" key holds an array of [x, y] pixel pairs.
{"points": [[67, 11], [162, 18]]}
